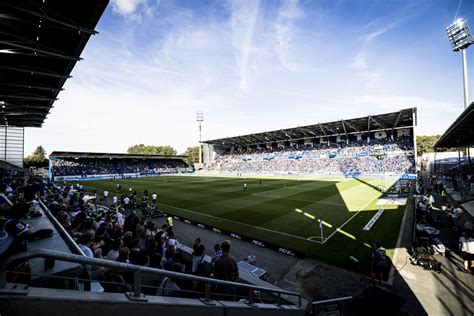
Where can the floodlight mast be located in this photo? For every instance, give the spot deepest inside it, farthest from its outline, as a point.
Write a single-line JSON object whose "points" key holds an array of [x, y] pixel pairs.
{"points": [[460, 37], [200, 119]]}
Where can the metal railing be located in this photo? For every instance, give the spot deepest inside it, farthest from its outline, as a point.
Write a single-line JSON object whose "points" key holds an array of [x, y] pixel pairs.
{"points": [[64, 234], [61, 256]]}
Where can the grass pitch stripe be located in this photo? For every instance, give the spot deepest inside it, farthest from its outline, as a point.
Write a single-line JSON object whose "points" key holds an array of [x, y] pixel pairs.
{"points": [[301, 200], [345, 223], [239, 223]]}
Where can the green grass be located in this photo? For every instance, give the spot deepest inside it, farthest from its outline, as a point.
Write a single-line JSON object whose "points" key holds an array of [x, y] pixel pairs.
{"points": [[283, 211]]}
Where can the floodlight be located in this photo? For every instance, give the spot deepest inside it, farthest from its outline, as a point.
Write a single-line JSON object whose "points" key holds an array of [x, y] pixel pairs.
{"points": [[459, 35], [200, 115], [200, 119]]}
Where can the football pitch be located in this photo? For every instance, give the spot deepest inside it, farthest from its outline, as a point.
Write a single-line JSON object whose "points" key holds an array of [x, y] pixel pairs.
{"points": [[283, 211]]}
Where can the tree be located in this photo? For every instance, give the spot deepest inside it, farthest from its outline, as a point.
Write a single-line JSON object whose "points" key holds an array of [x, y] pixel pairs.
{"points": [[193, 155], [37, 158], [40, 152], [424, 144], [142, 149]]}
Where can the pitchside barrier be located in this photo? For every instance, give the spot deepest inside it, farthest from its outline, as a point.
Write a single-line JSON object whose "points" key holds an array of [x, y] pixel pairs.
{"points": [[262, 244]]}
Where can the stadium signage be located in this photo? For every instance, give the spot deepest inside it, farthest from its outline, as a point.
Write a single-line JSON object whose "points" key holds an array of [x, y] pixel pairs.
{"points": [[286, 252], [235, 236], [258, 243], [373, 220]]}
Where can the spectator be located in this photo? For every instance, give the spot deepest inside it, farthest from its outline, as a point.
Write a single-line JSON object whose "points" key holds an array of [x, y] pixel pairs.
{"points": [[379, 262], [225, 268], [169, 286], [198, 254], [466, 246], [217, 254], [116, 247]]}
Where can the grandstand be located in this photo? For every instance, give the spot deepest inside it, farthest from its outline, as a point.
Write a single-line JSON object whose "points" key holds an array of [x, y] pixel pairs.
{"points": [[92, 166], [372, 145]]}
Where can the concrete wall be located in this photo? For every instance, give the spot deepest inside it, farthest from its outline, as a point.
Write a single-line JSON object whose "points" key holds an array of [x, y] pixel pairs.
{"points": [[40, 301]]}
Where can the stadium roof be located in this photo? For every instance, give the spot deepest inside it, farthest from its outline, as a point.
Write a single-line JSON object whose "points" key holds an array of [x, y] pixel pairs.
{"points": [[85, 155], [388, 121], [40, 42], [461, 133]]}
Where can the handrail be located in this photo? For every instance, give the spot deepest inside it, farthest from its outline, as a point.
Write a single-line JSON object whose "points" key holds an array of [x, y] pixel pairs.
{"points": [[61, 256], [333, 300], [67, 238]]}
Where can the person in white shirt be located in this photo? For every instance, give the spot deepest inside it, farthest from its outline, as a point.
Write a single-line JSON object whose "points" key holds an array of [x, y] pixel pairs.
{"points": [[106, 195], [114, 253], [115, 199], [126, 202], [466, 246], [154, 196]]}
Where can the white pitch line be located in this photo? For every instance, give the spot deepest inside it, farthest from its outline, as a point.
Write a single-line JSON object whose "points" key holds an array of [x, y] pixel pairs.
{"points": [[344, 224], [314, 237], [231, 221]]}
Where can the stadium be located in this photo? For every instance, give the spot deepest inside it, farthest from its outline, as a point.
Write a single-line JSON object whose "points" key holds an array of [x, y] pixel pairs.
{"points": [[339, 217]]}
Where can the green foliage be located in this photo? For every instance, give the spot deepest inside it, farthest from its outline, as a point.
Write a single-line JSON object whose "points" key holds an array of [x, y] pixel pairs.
{"points": [[424, 144], [151, 150], [193, 155], [37, 158]]}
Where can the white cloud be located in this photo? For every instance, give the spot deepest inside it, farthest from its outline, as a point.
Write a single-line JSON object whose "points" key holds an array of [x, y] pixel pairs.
{"points": [[243, 22], [126, 7], [288, 13], [135, 9]]}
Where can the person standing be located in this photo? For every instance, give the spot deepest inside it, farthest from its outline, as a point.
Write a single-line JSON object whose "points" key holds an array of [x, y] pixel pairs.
{"points": [[198, 254], [225, 268], [154, 196], [379, 262], [106, 195], [245, 187], [466, 246]]}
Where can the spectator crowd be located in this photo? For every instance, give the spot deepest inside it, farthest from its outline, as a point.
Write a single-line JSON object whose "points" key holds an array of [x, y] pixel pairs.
{"points": [[376, 157], [85, 167], [114, 234]]}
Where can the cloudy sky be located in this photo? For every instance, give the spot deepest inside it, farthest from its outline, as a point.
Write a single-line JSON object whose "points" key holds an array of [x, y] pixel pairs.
{"points": [[254, 66]]}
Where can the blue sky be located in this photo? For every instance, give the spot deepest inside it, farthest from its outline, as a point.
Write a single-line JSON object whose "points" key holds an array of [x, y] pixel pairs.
{"points": [[254, 66]]}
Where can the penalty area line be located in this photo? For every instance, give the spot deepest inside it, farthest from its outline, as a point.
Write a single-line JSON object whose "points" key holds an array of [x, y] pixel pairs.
{"points": [[345, 223], [239, 223]]}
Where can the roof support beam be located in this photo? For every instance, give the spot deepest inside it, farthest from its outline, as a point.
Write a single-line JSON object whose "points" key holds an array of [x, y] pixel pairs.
{"points": [[37, 72], [330, 129], [322, 129], [377, 122], [77, 28], [303, 131], [27, 98], [345, 131], [30, 86], [368, 123], [42, 51], [352, 126], [398, 119]]}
